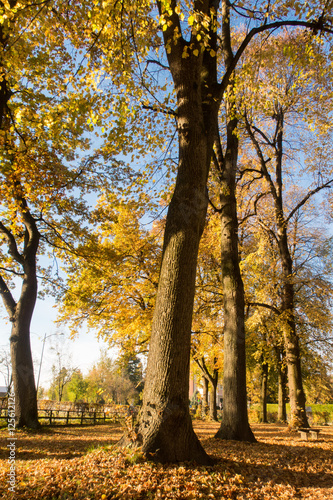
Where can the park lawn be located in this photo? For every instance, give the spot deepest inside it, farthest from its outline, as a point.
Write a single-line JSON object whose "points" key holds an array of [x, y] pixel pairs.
{"points": [[82, 463], [319, 414]]}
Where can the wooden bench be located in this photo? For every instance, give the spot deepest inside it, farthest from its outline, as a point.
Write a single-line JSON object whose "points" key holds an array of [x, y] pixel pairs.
{"points": [[306, 432]]}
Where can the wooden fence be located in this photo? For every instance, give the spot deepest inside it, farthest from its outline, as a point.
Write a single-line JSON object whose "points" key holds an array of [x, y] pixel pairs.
{"points": [[78, 416], [49, 412]]}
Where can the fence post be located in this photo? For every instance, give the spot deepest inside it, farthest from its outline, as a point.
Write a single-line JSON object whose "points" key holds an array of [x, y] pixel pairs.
{"points": [[50, 417], [67, 417], [82, 417]]}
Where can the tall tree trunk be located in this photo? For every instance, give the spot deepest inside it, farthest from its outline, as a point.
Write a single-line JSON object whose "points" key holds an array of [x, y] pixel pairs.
{"points": [[20, 315], [264, 385], [282, 386], [204, 408], [235, 423], [165, 423], [212, 401], [165, 426], [298, 417]]}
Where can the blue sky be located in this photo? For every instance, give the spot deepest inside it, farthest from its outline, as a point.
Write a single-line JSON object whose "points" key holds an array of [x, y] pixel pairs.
{"points": [[84, 350]]}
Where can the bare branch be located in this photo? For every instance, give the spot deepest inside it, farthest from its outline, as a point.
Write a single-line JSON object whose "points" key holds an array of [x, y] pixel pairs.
{"points": [[166, 111], [305, 199], [153, 61]]}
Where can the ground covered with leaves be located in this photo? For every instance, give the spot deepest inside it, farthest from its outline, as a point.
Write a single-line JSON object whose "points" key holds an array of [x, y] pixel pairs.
{"points": [[83, 463]]}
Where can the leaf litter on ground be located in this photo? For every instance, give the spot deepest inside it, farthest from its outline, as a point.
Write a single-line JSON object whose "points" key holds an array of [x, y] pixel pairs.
{"points": [[64, 463]]}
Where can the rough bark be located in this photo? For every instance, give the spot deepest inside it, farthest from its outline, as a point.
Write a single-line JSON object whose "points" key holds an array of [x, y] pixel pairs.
{"points": [[235, 423], [165, 424], [165, 427], [26, 413], [20, 315], [298, 417]]}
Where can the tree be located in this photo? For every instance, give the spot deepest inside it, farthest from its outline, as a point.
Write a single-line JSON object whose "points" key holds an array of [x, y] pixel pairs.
{"points": [[261, 269], [112, 281], [191, 46], [62, 371], [130, 366], [191, 53], [23, 150], [191, 49], [47, 105], [5, 366], [108, 382], [235, 423], [270, 141], [77, 387], [212, 379]]}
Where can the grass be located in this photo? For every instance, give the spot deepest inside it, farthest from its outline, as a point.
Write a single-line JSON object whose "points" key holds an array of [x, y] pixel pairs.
{"points": [[321, 414]]}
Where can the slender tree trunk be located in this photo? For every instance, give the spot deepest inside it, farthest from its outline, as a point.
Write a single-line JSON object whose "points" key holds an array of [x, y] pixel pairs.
{"points": [[213, 380], [205, 397], [212, 402], [282, 386], [235, 423], [298, 416], [282, 395], [264, 385]]}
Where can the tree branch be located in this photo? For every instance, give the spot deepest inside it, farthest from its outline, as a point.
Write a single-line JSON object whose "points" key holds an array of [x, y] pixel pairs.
{"points": [[314, 25], [12, 246], [305, 199], [7, 298], [266, 306], [166, 111]]}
